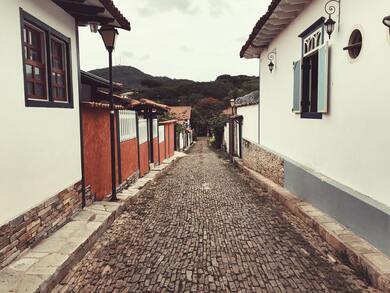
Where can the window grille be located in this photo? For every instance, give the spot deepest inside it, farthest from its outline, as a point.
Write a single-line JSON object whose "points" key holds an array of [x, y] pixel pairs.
{"points": [[127, 125]]}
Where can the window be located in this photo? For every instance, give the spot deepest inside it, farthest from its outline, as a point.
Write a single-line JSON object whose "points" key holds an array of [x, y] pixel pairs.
{"points": [[355, 44], [58, 71], [311, 74], [34, 62], [46, 61]]}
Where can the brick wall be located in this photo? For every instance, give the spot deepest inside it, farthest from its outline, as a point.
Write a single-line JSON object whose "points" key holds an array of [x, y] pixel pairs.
{"points": [[264, 162], [28, 229]]}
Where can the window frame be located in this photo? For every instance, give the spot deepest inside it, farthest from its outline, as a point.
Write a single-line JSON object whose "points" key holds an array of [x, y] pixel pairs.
{"points": [[49, 35], [317, 26]]}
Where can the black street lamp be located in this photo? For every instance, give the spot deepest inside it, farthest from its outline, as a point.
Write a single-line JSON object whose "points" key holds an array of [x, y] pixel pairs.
{"points": [[109, 34]]}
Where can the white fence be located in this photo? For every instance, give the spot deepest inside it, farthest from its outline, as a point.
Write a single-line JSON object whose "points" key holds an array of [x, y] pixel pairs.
{"points": [[161, 133], [143, 130], [127, 125], [155, 125]]}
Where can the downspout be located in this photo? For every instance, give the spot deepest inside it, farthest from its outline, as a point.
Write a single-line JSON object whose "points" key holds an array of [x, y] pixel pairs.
{"points": [[258, 121], [240, 136], [158, 142], [151, 138], [83, 195], [174, 137], [148, 137], [137, 132], [118, 141]]}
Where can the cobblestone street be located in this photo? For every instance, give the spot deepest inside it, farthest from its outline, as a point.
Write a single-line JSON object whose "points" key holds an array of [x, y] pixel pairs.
{"points": [[204, 227]]}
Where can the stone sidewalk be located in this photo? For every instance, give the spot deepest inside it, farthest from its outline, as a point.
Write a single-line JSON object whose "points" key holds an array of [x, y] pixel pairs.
{"points": [[204, 227], [43, 266]]}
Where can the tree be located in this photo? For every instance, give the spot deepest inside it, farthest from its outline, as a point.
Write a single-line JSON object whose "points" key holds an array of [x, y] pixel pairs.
{"points": [[217, 124]]}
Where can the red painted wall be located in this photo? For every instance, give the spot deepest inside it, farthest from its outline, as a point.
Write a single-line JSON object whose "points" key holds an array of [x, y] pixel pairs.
{"points": [[97, 151], [155, 150], [144, 158], [166, 140], [129, 158], [162, 151], [171, 139], [169, 143]]}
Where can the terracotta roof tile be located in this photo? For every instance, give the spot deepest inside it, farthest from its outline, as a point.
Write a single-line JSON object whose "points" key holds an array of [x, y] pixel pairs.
{"points": [[181, 112]]}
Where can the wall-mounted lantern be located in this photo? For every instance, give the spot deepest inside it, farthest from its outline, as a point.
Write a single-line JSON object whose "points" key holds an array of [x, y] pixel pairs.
{"points": [[330, 9], [386, 21], [272, 60]]}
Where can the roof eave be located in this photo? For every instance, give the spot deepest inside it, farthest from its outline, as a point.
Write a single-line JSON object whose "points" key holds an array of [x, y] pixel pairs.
{"points": [[279, 15]]}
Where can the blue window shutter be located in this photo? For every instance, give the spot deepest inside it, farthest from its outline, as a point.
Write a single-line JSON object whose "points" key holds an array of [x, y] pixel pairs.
{"points": [[297, 87], [323, 68]]}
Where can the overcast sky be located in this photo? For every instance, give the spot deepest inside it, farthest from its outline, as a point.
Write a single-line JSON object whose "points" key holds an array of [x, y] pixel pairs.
{"points": [[194, 39]]}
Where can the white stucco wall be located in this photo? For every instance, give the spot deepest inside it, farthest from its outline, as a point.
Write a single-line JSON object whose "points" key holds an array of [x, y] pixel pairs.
{"points": [[250, 128], [351, 144], [40, 147]]}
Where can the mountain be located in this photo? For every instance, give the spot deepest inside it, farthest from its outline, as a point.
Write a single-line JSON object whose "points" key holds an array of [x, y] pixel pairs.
{"points": [[135, 79], [181, 91]]}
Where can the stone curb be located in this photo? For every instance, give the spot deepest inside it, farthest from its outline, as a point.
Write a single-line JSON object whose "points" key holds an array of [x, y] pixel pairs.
{"points": [[82, 250], [362, 256], [111, 211]]}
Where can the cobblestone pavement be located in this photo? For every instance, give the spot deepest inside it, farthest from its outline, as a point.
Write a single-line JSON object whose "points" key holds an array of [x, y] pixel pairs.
{"points": [[204, 227]]}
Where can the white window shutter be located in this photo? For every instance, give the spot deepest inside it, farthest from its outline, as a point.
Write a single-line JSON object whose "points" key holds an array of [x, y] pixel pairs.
{"points": [[323, 74], [297, 87]]}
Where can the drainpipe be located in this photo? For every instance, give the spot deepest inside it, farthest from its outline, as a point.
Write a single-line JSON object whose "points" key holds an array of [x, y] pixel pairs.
{"points": [[118, 141], [258, 121], [83, 196], [240, 136], [151, 137], [138, 148], [158, 142]]}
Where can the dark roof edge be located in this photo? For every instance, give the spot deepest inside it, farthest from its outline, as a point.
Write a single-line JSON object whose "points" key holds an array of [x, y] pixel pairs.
{"points": [[260, 23]]}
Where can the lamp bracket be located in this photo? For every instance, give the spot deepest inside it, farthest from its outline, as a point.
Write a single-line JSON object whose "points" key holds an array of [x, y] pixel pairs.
{"points": [[330, 9], [272, 55]]}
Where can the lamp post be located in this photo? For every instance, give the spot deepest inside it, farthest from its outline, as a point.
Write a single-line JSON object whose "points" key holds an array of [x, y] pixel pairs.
{"points": [[108, 34]]}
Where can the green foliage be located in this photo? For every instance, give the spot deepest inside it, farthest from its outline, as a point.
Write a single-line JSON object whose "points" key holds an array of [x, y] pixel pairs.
{"points": [[217, 124], [183, 92]]}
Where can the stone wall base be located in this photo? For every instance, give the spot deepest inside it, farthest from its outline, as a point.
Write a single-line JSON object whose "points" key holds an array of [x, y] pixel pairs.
{"points": [[28, 229], [264, 162]]}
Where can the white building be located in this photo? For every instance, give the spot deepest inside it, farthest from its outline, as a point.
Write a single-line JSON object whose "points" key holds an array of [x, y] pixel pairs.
{"points": [[323, 108], [40, 157]]}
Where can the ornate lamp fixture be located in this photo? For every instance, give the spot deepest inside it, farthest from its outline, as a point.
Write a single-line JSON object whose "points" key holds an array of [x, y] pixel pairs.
{"points": [[271, 57], [330, 9]]}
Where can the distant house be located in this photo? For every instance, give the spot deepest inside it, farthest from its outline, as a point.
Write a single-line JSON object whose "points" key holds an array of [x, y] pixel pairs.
{"points": [[245, 122], [40, 152], [183, 116], [324, 108]]}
